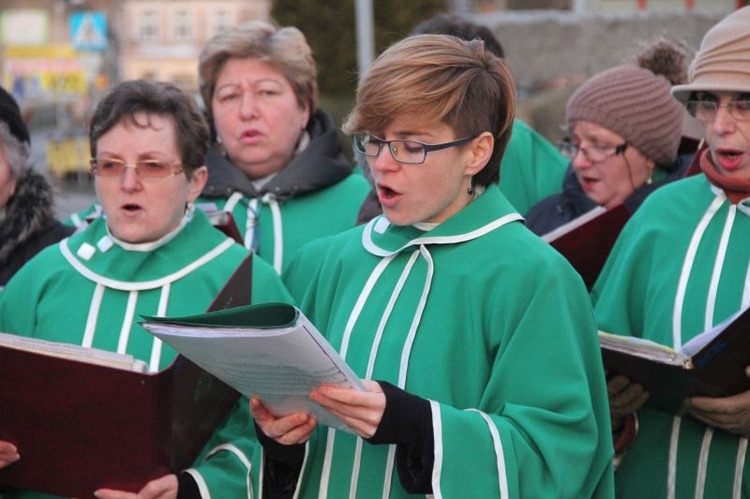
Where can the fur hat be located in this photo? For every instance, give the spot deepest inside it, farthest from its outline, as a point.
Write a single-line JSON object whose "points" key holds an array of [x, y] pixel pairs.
{"points": [[723, 62], [10, 113], [635, 103]]}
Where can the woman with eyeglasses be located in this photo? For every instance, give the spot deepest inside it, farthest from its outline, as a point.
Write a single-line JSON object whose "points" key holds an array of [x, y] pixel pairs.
{"points": [[475, 339], [625, 130], [680, 267], [151, 253]]}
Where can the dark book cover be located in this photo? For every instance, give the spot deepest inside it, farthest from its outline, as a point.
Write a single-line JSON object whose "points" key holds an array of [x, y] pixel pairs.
{"points": [[716, 369], [80, 427], [587, 241]]}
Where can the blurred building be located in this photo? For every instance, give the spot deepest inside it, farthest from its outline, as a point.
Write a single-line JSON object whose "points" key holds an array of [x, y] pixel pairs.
{"points": [[162, 40], [58, 56], [67, 51], [605, 5]]}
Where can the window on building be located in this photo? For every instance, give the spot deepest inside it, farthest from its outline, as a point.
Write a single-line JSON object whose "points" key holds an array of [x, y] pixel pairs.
{"points": [[220, 20], [182, 25], [148, 25]]}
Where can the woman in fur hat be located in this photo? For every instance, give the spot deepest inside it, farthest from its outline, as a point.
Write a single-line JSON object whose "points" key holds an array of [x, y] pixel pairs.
{"points": [[27, 222], [680, 267]]}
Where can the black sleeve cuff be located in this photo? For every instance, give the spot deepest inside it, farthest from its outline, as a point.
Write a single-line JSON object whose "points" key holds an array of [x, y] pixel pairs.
{"points": [[186, 487], [289, 455], [403, 417], [407, 422], [283, 465]]}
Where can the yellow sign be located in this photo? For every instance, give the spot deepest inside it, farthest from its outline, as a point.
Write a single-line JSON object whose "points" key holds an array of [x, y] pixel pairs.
{"points": [[68, 155], [39, 52], [67, 82]]}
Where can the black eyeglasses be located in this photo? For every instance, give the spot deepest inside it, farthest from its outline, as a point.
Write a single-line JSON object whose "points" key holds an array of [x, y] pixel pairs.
{"points": [[595, 154], [706, 110], [146, 168], [409, 152]]}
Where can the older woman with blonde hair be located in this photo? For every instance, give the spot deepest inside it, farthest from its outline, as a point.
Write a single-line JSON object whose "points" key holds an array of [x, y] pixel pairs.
{"points": [[277, 164]]}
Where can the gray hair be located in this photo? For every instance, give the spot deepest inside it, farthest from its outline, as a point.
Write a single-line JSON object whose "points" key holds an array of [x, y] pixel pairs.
{"points": [[16, 152]]}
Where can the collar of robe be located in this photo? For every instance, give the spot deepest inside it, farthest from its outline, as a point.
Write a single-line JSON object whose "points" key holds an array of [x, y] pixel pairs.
{"points": [[151, 246]]}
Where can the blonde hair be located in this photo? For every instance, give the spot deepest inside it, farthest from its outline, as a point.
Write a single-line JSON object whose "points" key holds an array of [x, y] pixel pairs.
{"points": [[285, 49], [444, 79]]}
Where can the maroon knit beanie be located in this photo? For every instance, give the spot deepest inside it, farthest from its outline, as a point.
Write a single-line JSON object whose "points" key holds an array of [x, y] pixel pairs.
{"points": [[634, 103]]}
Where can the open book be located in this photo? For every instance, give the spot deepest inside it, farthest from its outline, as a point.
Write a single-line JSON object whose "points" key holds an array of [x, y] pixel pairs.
{"points": [[587, 240], [268, 350], [711, 364], [85, 419], [73, 352]]}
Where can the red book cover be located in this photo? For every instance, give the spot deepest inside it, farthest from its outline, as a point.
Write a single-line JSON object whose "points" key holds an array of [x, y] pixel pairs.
{"points": [[224, 221], [587, 241], [80, 426]]}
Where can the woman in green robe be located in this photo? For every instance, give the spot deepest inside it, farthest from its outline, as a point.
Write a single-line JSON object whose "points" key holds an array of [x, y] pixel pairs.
{"points": [[481, 338], [278, 164], [679, 268], [150, 254]]}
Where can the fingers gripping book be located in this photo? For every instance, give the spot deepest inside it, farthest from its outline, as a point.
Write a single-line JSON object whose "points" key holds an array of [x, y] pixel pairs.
{"points": [[711, 364]]}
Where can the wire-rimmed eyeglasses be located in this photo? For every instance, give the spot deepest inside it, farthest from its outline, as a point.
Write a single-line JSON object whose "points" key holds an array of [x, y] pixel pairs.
{"points": [[595, 154], [706, 110], [146, 168], [409, 152]]}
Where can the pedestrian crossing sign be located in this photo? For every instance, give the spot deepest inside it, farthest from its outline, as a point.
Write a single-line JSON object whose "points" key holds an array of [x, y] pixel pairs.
{"points": [[88, 31]]}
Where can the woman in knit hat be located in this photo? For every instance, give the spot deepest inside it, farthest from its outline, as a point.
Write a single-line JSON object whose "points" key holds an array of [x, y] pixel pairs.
{"points": [[680, 267], [27, 222], [625, 130]]}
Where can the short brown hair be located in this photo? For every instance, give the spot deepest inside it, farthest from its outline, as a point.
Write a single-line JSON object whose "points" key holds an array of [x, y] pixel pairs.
{"points": [[126, 100], [444, 79], [285, 49]]}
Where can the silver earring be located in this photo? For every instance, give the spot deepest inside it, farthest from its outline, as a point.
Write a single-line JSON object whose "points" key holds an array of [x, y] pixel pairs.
{"points": [[189, 211], [470, 190]]}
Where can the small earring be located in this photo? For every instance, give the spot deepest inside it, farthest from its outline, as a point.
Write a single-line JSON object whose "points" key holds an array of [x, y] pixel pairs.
{"points": [[470, 190], [189, 211]]}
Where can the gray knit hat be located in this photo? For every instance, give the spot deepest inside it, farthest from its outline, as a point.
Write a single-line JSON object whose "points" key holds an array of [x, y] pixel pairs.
{"points": [[635, 103], [723, 62]]}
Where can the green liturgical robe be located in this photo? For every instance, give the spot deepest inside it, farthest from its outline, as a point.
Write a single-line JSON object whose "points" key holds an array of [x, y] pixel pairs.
{"points": [[484, 320], [679, 267], [277, 228], [532, 168], [89, 290]]}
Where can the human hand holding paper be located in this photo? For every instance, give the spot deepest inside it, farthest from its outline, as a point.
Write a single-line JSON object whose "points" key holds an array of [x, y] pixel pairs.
{"points": [[291, 429], [731, 414], [362, 411]]}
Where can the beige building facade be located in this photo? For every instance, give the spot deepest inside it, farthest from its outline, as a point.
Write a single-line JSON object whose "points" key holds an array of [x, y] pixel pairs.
{"points": [[162, 40]]}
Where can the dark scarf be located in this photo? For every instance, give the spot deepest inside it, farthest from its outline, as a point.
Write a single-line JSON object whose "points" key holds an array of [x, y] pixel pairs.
{"points": [[735, 189]]}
